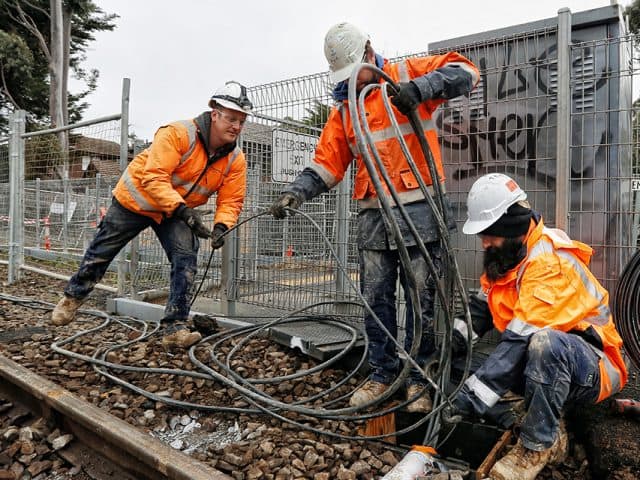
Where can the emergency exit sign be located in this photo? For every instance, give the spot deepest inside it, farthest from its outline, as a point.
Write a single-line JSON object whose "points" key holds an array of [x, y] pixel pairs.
{"points": [[292, 152]]}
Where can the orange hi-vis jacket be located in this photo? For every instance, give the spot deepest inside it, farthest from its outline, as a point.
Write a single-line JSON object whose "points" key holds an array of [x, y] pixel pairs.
{"points": [[157, 180], [337, 142], [552, 287]]}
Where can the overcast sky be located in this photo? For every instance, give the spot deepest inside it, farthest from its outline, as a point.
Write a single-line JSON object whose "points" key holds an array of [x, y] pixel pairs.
{"points": [[177, 52]]}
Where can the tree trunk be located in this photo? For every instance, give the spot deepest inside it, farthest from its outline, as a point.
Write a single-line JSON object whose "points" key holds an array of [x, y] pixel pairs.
{"points": [[66, 45], [58, 96], [56, 67]]}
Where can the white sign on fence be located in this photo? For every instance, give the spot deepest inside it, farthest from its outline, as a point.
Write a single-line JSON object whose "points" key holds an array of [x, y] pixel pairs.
{"points": [[292, 152], [58, 208]]}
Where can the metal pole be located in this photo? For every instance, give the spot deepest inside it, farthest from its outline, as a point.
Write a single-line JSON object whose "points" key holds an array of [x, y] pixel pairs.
{"points": [[124, 124], [342, 236], [65, 208], [38, 204], [124, 148], [87, 233], [635, 226], [563, 128], [285, 239], [98, 181], [16, 195], [135, 245], [229, 274]]}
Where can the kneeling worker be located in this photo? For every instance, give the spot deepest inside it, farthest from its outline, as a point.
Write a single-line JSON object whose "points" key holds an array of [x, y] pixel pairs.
{"points": [[559, 344]]}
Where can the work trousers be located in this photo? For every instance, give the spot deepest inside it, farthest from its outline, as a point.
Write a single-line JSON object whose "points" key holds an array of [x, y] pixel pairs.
{"points": [[379, 271], [561, 368], [116, 229]]}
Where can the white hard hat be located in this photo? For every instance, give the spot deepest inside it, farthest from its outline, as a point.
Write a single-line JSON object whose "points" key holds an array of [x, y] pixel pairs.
{"points": [[233, 96], [344, 48], [489, 198]]}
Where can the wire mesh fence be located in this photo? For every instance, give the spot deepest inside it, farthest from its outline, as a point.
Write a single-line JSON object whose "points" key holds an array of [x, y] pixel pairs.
{"points": [[508, 124], [66, 177], [601, 153], [289, 264]]}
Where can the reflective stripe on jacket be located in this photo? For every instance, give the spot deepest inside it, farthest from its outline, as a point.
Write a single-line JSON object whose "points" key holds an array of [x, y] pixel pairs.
{"points": [[337, 142], [157, 180], [551, 288]]}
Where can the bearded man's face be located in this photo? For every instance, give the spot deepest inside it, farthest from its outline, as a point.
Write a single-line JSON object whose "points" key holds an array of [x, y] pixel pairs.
{"points": [[498, 260]]}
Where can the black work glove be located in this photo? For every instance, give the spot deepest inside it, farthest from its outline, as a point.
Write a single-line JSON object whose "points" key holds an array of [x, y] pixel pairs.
{"points": [[193, 218], [287, 199], [451, 414], [218, 235], [458, 343], [406, 98]]}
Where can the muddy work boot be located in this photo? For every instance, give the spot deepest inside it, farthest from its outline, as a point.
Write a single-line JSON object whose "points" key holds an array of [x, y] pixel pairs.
{"points": [[560, 447], [524, 464], [65, 310], [422, 404], [367, 392], [179, 338]]}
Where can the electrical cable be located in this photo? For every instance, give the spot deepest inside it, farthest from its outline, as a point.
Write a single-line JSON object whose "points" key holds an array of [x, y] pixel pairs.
{"points": [[368, 149], [626, 308], [101, 365]]}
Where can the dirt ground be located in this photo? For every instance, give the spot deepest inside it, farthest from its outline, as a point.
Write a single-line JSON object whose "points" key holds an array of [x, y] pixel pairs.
{"points": [[241, 444]]}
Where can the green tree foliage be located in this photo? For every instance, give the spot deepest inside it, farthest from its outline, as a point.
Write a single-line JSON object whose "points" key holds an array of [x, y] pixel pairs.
{"points": [[24, 45], [42, 154], [633, 12], [318, 115]]}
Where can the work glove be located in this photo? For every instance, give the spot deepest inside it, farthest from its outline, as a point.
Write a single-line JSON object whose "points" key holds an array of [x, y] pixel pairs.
{"points": [[458, 344], [287, 199], [406, 98], [193, 218], [218, 235], [451, 414]]}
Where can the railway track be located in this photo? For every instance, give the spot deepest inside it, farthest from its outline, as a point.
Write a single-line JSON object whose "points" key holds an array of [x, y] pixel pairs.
{"points": [[103, 446]]}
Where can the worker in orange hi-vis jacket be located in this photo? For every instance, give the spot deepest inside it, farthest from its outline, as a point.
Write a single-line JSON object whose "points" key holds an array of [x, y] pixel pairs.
{"points": [[187, 162], [559, 344], [424, 83]]}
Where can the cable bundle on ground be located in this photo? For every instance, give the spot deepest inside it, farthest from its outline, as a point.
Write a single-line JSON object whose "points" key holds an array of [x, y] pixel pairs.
{"points": [[626, 308]]}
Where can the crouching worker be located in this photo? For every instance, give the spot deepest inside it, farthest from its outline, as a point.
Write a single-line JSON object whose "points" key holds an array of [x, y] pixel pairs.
{"points": [[559, 344], [188, 161]]}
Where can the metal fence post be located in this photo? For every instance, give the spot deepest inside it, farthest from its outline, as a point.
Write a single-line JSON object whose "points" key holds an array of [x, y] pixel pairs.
{"points": [[124, 151], [16, 195], [134, 246], [65, 210], [563, 128], [98, 182], [38, 206], [342, 239], [229, 274]]}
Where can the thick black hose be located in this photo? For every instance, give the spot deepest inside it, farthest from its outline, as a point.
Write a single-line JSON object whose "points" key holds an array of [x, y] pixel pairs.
{"points": [[626, 308]]}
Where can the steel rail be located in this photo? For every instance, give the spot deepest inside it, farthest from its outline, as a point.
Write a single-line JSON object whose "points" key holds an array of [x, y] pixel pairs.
{"points": [[145, 457]]}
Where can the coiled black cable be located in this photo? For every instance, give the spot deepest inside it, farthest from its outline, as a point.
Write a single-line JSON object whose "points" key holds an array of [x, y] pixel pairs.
{"points": [[626, 308]]}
